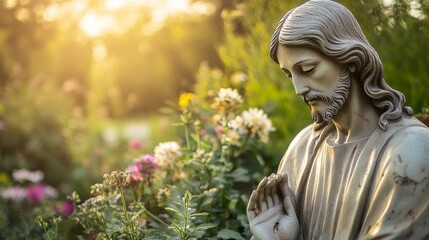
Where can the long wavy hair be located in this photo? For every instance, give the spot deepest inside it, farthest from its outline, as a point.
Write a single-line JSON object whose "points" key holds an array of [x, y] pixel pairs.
{"points": [[330, 28]]}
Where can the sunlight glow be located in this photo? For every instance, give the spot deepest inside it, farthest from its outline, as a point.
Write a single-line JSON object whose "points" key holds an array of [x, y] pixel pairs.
{"points": [[108, 15], [94, 25]]}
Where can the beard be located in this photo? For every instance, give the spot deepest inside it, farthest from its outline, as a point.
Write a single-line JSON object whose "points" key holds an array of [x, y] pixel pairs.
{"points": [[334, 100]]}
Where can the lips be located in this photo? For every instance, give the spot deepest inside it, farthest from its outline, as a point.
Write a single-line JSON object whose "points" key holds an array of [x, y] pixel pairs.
{"points": [[310, 100]]}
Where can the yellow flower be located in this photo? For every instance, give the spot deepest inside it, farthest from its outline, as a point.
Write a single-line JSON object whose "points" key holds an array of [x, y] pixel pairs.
{"points": [[184, 99]]}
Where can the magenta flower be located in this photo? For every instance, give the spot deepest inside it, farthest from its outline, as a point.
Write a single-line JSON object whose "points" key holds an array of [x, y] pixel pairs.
{"points": [[36, 193], [147, 164], [135, 173], [65, 208], [135, 144], [219, 131]]}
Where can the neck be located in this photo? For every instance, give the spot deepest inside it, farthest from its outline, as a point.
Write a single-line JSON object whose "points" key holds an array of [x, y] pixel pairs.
{"points": [[357, 118]]}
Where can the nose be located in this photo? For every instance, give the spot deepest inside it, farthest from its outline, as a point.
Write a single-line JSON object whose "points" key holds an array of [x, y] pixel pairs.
{"points": [[300, 84], [301, 90]]}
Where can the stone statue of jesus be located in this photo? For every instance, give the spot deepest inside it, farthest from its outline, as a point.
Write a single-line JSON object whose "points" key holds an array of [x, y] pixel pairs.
{"points": [[361, 171]]}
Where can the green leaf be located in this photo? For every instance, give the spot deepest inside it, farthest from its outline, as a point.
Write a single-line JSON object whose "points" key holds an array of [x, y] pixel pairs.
{"points": [[156, 235], [229, 234], [240, 175], [206, 226], [199, 214], [175, 211]]}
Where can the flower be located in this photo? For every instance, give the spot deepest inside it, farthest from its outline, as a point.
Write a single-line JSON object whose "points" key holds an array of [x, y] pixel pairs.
{"points": [[185, 99], [257, 123], [135, 173], [147, 164], [219, 130], [38, 192], [118, 179], [65, 208], [22, 175], [135, 144], [227, 101], [167, 152], [97, 189], [239, 78], [233, 137], [14, 193], [253, 122]]}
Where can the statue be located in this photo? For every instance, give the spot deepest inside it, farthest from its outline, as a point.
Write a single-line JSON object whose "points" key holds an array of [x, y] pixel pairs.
{"points": [[361, 170]]}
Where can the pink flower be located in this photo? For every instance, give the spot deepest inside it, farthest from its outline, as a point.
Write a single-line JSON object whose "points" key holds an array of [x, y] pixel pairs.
{"points": [[202, 133], [36, 193], [219, 131], [1, 125], [135, 173], [65, 208], [147, 164], [135, 144]]}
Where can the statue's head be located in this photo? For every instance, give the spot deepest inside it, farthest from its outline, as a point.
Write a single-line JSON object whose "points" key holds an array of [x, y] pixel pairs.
{"points": [[331, 29]]}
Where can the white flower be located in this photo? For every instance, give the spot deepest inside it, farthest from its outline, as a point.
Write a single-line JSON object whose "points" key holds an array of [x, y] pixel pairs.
{"points": [[22, 175], [14, 193], [257, 123], [167, 152], [51, 192], [239, 78], [238, 125], [227, 100], [229, 95], [233, 137]]}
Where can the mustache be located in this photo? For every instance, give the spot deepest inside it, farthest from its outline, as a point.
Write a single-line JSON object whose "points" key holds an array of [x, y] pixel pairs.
{"points": [[313, 95], [338, 95]]}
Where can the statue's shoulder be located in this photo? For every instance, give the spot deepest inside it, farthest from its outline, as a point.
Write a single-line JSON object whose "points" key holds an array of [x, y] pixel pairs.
{"points": [[408, 149], [302, 138]]}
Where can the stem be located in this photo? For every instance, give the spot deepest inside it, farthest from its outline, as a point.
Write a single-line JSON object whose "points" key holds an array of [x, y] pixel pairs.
{"points": [[188, 144], [198, 139], [56, 230], [47, 234], [186, 219], [242, 148], [124, 206], [154, 217]]}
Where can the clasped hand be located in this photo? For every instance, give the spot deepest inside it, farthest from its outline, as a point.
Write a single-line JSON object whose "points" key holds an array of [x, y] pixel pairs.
{"points": [[270, 210]]}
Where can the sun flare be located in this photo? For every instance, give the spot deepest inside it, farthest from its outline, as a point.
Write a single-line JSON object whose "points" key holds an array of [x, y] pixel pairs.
{"points": [[95, 23]]}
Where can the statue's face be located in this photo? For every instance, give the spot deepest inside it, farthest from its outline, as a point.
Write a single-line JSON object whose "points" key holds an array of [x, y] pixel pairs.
{"points": [[322, 82]]}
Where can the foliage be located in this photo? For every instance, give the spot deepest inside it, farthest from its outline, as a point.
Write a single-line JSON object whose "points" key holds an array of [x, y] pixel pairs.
{"points": [[32, 135], [195, 190], [26, 207]]}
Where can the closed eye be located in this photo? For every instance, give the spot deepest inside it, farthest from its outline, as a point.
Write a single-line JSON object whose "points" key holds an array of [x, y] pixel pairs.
{"points": [[308, 69]]}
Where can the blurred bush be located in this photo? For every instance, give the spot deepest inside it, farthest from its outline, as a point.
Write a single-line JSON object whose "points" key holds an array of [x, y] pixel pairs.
{"points": [[34, 118]]}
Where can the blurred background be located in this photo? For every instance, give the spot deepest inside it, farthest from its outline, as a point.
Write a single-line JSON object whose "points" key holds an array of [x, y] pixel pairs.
{"points": [[81, 79]]}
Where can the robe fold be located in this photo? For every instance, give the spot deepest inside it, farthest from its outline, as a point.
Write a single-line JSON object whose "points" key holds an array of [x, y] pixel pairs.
{"points": [[373, 188]]}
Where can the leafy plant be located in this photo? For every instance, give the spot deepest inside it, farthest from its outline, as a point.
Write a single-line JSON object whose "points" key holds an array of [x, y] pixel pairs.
{"points": [[183, 192]]}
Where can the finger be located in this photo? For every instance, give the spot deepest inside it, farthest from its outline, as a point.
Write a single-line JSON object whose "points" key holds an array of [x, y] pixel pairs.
{"points": [[268, 192], [287, 203], [251, 213], [262, 203], [274, 191], [286, 190], [284, 185], [262, 183]]}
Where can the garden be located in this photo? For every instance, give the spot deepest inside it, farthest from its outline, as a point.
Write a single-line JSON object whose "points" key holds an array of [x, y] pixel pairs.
{"points": [[156, 119]]}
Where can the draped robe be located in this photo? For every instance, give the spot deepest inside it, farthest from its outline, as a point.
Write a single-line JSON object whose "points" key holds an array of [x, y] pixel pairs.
{"points": [[372, 188]]}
